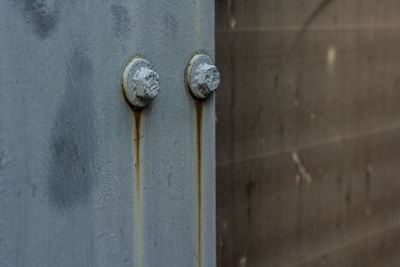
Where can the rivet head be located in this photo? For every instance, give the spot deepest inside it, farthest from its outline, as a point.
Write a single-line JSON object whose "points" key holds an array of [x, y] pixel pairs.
{"points": [[140, 83], [202, 77]]}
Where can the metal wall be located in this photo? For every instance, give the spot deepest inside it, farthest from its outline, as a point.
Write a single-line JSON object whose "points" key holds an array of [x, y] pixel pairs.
{"points": [[308, 154], [70, 163]]}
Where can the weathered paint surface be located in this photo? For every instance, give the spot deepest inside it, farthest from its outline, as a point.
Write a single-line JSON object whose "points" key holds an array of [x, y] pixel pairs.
{"points": [[82, 181], [308, 133]]}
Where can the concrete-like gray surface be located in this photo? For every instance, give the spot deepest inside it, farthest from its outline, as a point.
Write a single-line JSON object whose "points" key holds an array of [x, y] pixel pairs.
{"points": [[67, 152]]}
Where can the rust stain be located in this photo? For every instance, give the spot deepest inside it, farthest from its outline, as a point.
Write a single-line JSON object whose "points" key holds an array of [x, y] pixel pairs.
{"points": [[133, 108], [137, 115], [199, 122]]}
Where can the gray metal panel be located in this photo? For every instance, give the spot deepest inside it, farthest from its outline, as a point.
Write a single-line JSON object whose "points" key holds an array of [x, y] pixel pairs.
{"points": [[67, 150], [308, 133]]}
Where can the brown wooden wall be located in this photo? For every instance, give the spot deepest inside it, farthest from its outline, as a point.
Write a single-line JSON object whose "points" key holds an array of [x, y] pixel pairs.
{"points": [[308, 133]]}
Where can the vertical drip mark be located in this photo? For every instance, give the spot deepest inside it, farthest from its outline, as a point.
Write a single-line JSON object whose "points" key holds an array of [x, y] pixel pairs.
{"points": [[138, 205], [137, 231], [199, 118]]}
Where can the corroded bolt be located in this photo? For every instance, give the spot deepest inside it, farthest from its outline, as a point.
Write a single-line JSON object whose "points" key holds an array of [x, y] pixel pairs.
{"points": [[140, 83], [202, 77]]}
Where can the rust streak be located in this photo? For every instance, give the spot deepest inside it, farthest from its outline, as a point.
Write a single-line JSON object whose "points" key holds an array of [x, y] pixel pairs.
{"points": [[199, 118], [138, 206], [137, 116]]}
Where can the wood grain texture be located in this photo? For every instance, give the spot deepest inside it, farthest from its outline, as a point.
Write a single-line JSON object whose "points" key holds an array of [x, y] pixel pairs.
{"points": [[308, 129]]}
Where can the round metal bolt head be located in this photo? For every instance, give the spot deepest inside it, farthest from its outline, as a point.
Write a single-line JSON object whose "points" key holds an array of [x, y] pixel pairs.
{"points": [[146, 83], [202, 77], [140, 83]]}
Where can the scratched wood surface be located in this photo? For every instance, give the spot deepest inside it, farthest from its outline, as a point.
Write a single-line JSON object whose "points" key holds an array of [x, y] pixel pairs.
{"points": [[308, 133]]}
